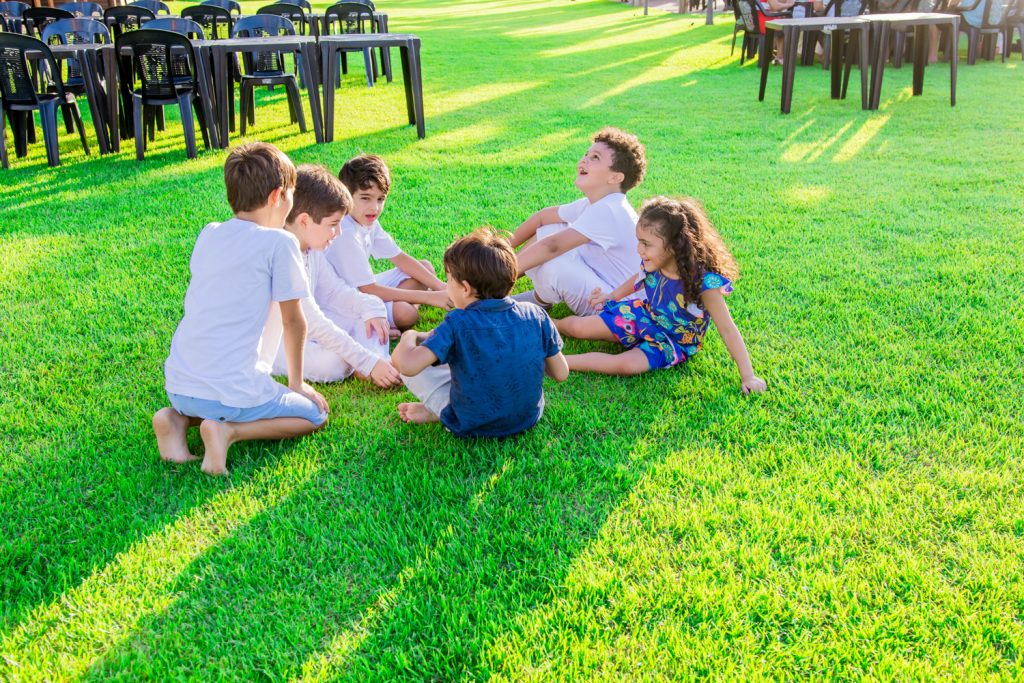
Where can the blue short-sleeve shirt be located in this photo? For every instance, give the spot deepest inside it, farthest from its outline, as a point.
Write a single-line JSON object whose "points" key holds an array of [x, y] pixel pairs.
{"points": [[496, 350]]}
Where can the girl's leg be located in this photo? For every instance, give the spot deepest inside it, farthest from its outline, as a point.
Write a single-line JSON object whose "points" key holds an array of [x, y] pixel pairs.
{"points": [[632, 362], [585, 327], [218, 437]]}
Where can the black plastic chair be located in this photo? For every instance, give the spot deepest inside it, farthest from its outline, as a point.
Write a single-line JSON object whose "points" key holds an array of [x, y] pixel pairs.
{"points": [[126, 18], [292, 12], [83, 9], [229, 5], [162, 81], [70, 32], [19, 98], [154, 6], [39, 17], [368, 3], [217, 22], [184, 26], [992, 24], [352, 17], [265, 68], [10, 14], [1014, 24]]}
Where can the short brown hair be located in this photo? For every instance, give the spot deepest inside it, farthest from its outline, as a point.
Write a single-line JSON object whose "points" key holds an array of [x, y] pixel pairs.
{"points": [[254, 170], [318, 193], [485, 260], [364, 171], [628, 155]]}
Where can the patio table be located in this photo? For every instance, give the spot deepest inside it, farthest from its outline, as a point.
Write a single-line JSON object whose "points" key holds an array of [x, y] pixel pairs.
{"points": [[380, 25], [882, 26], [791, 30], [409, 46]]}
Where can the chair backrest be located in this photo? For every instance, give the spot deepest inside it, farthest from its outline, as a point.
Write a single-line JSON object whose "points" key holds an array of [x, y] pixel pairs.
{"points": [[995, 12], [293, 13], [83, 9], [16, 82], [13, 9], [747, 13], [229, 5], [77, 30], [154, 6], [184, 26], [351, 17], [126, 18], [215, 20], [368, 3], [304, 4], [41, 16], [258, 26], [160, 72]]}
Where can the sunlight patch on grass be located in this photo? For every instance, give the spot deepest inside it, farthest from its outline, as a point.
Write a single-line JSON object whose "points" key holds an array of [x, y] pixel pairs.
{"points": [[446, 103], [678, 65], [862, 137], [65, 638], [810, 151], [639, 36], [807, 195]]}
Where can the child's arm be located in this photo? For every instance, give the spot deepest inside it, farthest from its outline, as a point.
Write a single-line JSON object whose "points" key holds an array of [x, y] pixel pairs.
{"points": [[598, 298], [410, 358], [715, 304], [548, 248], [529, 227], [294, 336], [556, 367], [417, 271], [413, 296], [336, 340]]}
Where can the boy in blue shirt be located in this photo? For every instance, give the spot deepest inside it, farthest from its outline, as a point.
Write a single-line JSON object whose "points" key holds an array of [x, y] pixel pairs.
{"points": [[481, 371]]}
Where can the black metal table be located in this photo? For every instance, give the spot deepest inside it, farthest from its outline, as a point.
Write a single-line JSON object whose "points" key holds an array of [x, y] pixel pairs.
{"points": [[408, 44], [85, 54], [791, 30]]}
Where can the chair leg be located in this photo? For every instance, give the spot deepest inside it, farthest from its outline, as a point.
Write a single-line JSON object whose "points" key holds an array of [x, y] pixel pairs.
{"points": [[897, 51], [138, 114], [735, 30], [19, 129], [244, 90], [344, 62], [161, 123], [48, 117], [197, 103], [69, 123], [3, 141], [30, 128], [252, 105], [367, 59], [295, 101], [185, 108], [76, 115]]}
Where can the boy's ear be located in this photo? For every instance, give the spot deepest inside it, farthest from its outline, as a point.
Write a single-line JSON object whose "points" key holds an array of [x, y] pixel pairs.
{"points": [[274, 198], [616, 178]]}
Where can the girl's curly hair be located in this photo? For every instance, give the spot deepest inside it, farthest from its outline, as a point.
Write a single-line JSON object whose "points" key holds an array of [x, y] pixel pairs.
{"points": [[688, 233]]}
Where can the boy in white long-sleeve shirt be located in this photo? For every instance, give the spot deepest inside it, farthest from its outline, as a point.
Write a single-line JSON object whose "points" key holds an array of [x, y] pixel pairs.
{"points": [[352, 335]]}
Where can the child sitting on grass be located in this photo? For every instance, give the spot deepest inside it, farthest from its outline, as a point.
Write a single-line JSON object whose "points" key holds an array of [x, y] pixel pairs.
{"points": [[239, 267], [403, 287], [685, 271], [495, 351], [332, 352]]}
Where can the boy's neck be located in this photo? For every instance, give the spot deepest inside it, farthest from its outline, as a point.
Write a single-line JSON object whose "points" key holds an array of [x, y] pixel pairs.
{"points": [[469, 302], [294, 229], [594, 196], [266, 216]]}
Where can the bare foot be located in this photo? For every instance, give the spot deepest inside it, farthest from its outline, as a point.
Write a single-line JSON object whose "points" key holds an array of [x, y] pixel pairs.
{"points": [[416, 413], [170, 428], [217, 438], [394, 333]]}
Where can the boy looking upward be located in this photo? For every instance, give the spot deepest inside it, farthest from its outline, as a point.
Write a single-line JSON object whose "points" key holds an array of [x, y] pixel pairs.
{"points": [[495, 351], [238, 267], [404, 287], [571, 250]]}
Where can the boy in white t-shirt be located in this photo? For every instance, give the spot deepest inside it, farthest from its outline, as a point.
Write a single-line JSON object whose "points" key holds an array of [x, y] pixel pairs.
{"points": [[571, 250], [356, 338], [213, 376], [411, 282]]}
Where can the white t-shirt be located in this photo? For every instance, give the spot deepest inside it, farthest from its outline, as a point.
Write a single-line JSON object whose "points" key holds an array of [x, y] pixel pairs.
{"points": [[238, 268], [610, 225], [350, 253], [345, 299]]}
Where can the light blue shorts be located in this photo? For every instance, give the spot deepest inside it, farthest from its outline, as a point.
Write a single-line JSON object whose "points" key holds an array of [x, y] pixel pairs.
{"points": [[287, 403]]}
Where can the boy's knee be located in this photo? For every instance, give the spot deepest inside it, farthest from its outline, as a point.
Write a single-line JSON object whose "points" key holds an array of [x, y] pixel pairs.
{"points": [[404, 314]]}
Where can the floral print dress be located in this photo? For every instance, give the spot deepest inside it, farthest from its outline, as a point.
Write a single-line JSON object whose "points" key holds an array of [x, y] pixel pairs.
{"points": [[664, 326]]}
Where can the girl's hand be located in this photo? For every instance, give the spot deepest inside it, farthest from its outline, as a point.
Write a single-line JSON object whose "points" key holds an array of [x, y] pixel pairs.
{"points": [[753, 385], [598, 298]]}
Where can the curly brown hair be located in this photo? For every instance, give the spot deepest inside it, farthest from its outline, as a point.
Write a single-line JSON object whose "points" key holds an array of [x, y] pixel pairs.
{"points": [[628, 155], [485, 259], [688, 233]]}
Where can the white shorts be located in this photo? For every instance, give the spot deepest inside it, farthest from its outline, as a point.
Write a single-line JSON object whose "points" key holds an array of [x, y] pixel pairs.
{"points": [[390, 278], [566, 278]]}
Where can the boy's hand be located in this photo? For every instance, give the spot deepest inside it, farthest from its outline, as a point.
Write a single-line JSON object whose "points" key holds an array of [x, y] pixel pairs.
{"points": [[313, 395], [440, 300], [753, 385], [384, 375], [598, 298], [378, 327]]}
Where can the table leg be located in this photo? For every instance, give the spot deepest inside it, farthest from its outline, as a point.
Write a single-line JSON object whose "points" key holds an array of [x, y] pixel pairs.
{"points": [[862, 62], [788, 67], [309, 66], [407, 81], [838, 42], [225, 90], [417, 89], [769, 38], [920, 57], [206, 94], [954, 58], [110, 67], [385, 52], [880, 40], [328, 65], [87, 63]]}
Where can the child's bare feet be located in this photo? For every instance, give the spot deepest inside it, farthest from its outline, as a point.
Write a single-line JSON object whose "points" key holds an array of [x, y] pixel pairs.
{"points": [[170, 428], [417, 413], [217, 439]]}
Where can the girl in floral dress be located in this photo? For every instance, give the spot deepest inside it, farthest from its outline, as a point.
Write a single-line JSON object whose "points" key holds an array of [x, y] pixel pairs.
{"points": [[685, 274]]}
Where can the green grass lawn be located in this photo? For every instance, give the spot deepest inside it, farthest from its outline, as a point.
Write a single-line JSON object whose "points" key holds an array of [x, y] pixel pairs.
{"points": [[862, 519]]}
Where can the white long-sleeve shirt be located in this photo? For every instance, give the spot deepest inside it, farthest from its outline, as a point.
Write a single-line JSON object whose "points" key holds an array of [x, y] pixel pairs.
{"points": [[335, 294]]}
